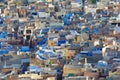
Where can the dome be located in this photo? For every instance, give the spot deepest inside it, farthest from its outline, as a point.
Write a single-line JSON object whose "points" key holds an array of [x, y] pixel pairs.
{"points": [[102, 64]]}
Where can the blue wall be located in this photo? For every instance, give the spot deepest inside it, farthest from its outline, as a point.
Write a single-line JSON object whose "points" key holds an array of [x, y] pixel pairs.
{"points": [[61, 42]]}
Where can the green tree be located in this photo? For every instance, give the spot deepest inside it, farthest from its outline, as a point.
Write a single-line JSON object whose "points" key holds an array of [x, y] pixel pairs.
{"points": [[94, 1], [18, 3], [50, 63]]}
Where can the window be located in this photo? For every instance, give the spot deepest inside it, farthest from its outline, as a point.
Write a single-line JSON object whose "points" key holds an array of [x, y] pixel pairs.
{"points": [[28, 31], [21, 32], [87, 44], [28, 37], [34, 13], [10, 35]]}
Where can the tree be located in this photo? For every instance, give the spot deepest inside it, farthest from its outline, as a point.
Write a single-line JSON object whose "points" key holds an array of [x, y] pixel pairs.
{"points": [[94, 1], [50, 63], [18, 3]]}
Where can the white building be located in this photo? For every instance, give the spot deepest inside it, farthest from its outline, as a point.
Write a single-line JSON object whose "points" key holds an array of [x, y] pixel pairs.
{"points": [[117, 30], [109, 52]]}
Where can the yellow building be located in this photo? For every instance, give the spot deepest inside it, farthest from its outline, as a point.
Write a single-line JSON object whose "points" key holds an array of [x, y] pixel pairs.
{"points": [[52, 43], [70, 54], [78, 38]]}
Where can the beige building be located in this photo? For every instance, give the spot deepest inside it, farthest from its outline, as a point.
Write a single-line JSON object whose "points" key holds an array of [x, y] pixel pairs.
{"points": [[79, 78], [28, 32], [92, 73], [51, 78], [30, 76], [34, 76], [6, 11], [73, 69]]}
